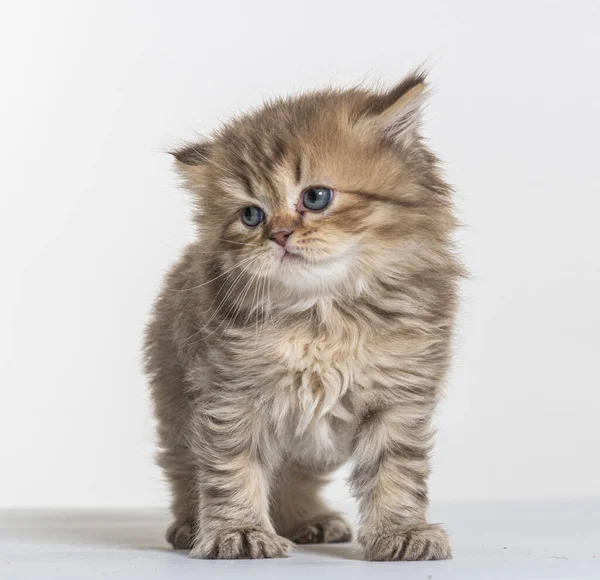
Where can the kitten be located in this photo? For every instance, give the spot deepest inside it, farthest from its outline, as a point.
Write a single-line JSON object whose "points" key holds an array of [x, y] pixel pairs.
{"points": [[308, 325]]}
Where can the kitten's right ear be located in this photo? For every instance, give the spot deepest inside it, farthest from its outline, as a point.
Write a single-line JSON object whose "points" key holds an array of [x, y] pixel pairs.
{"points": [[194, 154]]}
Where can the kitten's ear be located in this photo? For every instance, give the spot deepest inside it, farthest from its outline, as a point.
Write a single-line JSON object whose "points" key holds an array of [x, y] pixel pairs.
{"points": [[401, 108], [194, 154]]}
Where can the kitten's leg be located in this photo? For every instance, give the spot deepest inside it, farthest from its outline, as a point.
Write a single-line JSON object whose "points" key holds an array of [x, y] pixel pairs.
{"points": [[299, 512], [389, 480], [237, 463], [180, 472], [171, 406]]}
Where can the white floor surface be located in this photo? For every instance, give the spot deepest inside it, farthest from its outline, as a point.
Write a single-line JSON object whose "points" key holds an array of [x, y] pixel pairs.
{"points": [[549, 539]]}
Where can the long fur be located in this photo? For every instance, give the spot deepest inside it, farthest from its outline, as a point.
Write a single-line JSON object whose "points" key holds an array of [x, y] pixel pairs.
{"points": [[269, 373]]}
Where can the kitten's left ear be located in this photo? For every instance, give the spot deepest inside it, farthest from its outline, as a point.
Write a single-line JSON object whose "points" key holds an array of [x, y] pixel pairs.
{"points": [[402, 108]]}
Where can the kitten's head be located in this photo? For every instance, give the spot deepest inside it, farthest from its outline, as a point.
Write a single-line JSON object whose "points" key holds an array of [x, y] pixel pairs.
{"points": [[318, 194]]}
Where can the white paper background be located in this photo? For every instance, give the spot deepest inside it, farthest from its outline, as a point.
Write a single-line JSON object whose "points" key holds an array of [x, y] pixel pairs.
{"points": [[92, 93]]}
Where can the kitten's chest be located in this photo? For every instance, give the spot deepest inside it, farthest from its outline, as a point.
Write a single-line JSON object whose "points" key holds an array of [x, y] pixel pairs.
{"points": [[313, 400]]}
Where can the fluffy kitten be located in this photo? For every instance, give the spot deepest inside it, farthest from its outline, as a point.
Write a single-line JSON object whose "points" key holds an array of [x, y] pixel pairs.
{"points": [[308, 325]]}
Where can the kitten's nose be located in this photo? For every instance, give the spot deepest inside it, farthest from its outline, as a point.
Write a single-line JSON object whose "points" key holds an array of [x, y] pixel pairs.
{"points": [[281, 235]]}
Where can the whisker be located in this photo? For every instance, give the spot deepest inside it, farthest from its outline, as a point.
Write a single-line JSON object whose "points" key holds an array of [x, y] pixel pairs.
{"points": [[269, 293], [224, 299], [239, 302], [245, 260], [262, 305], [209, 308], [258, 310], [238, 243], [254, 297]]}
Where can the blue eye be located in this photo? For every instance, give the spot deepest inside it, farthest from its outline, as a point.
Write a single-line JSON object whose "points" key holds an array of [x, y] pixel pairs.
{"points": [[252, 216], [317, 198]]}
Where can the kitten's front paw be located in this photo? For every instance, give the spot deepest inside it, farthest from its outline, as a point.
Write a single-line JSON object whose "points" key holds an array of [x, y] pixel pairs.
{"points": [[180, 534], [423, 542], [242, 543], [323, 529]]}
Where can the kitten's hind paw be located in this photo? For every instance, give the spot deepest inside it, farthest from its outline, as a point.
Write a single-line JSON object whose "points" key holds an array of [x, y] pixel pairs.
{"points": [[180, 534], [423, 542], [323, 529], [246, 543]]}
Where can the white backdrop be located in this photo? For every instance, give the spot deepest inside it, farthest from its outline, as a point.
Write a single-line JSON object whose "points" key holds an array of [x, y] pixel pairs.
{"points": [[93, 93]]}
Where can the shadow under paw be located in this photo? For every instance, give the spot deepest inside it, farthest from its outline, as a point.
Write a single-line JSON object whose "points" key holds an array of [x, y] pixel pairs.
{"points": [[323, 529]]}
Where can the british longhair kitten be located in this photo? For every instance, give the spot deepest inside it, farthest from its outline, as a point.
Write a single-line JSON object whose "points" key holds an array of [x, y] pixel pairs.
{"points": [[308, 325]]}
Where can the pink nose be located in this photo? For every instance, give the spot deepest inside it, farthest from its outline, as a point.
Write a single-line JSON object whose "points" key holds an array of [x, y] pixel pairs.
{"points": [[281, 236]]}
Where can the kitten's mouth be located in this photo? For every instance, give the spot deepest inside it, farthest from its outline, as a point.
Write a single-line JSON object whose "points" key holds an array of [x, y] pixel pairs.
{"points": [[293, 256], [287, 256]]}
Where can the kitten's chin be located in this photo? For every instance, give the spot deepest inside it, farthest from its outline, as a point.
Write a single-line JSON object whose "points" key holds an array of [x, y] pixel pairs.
{"points": [[301, 276]]}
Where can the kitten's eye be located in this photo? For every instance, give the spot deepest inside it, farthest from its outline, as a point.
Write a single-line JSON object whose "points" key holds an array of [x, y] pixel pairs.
{"points": [[252, 216], [317, 198]]}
